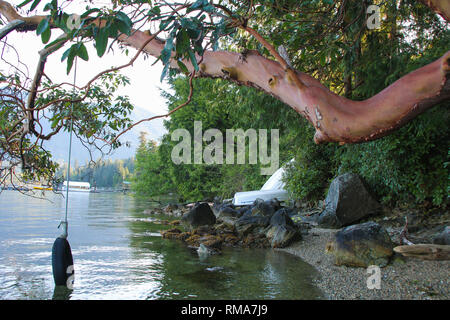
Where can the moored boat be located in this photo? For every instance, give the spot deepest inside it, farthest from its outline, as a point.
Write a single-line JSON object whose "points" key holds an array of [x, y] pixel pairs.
{"points": [[77, 186]]}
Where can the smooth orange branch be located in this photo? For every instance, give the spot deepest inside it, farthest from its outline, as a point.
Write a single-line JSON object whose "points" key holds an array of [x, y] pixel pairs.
{"points": [[291, 73], [335, 118], [30, 23]]}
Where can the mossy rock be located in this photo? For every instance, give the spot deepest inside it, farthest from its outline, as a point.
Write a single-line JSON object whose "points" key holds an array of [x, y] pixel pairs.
{"points": [[362, 245], [212, 241], [193, 240], [171, 233]]}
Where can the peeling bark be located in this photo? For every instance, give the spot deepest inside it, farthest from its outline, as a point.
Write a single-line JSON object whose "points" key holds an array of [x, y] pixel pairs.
{"points": [[335, 118]]}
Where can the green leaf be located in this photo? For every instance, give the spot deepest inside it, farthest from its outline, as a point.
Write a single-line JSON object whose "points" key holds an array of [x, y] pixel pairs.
{"points": [[65, 54], [42, 26], [182, 42], [166, 53], [82, 52], [55, 122], [34, 5], [165, 56], [123, 27], [49, 7], [101, 41], [209, 8], [154, 11], [46, 35], [182, 66], [24, 3], [198, 4], [70, 59], [165, 23], [123, 17], [70, 54], [113, 30], [193, 59], [87, 13], [164, 72]]}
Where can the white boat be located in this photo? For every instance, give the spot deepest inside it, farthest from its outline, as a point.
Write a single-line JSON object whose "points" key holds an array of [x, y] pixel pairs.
{"points": [[273, 188], [77, 186]]}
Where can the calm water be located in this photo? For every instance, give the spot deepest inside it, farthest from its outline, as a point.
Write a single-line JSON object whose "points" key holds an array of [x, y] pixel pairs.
{"points": [[118, 254]]}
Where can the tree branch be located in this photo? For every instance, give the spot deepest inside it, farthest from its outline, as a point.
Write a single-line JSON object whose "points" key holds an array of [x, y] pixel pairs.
{"points": [[335, 118]]}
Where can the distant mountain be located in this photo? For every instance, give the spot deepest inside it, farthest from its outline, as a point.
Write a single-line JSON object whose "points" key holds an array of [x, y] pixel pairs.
{"points": [[59, 144]]}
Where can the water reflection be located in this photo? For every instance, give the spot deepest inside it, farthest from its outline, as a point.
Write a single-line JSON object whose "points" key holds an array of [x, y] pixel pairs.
{"points": [[119, 254]]}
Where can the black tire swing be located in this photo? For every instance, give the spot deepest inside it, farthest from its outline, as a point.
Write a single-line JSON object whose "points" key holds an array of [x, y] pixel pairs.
{"points": [[62, 260]]}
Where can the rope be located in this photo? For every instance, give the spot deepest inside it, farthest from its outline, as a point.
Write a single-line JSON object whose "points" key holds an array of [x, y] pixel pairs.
{"points": [[64, 223]]}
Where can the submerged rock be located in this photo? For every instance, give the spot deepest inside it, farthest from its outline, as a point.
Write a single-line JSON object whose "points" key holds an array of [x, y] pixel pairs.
{"points": [[212, 241], [347, 202], [201, 214], [173, 233], [362, 245], [282, 230], [204, 251]]}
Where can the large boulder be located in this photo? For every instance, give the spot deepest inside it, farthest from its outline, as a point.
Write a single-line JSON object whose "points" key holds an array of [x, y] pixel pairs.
{"points": [[347, 202], [362, 245], [282, 230], [200, 215], [256, 217], [443, 237], [264, 208], [251, 224], [228, 216], [217, 207]]}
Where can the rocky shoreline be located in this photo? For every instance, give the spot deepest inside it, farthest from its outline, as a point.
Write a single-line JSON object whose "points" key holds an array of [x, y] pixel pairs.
{"points": [[342, 239], [403, 279]]}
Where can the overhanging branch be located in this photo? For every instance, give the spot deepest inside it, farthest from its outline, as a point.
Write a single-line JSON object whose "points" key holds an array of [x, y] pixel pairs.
{"points": [[335, 118]]}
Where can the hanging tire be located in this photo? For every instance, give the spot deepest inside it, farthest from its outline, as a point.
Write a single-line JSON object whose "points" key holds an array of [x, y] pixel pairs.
{"points": [[62, 262]]}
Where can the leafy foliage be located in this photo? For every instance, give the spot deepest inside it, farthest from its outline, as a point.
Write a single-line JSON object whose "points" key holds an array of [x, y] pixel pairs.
{"points": [[335, 46], [326, 39]]}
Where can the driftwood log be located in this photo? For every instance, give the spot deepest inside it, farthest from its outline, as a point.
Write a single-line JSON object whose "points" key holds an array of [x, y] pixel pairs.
{"points": [[425, 251]]}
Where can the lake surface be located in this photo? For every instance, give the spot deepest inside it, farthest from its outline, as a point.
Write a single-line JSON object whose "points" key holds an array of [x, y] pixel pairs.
{"points": [[118, 254]]}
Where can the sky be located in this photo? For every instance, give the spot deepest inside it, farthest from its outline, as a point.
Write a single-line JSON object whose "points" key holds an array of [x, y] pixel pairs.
{"points": [[143, 91]]}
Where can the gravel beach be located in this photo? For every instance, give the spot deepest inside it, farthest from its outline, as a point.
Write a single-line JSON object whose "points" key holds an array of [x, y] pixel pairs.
{"points": [[402, 279]]}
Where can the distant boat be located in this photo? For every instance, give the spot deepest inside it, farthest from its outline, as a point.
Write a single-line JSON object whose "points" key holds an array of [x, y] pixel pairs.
{"points": [[48, 188], [77, 186]]}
